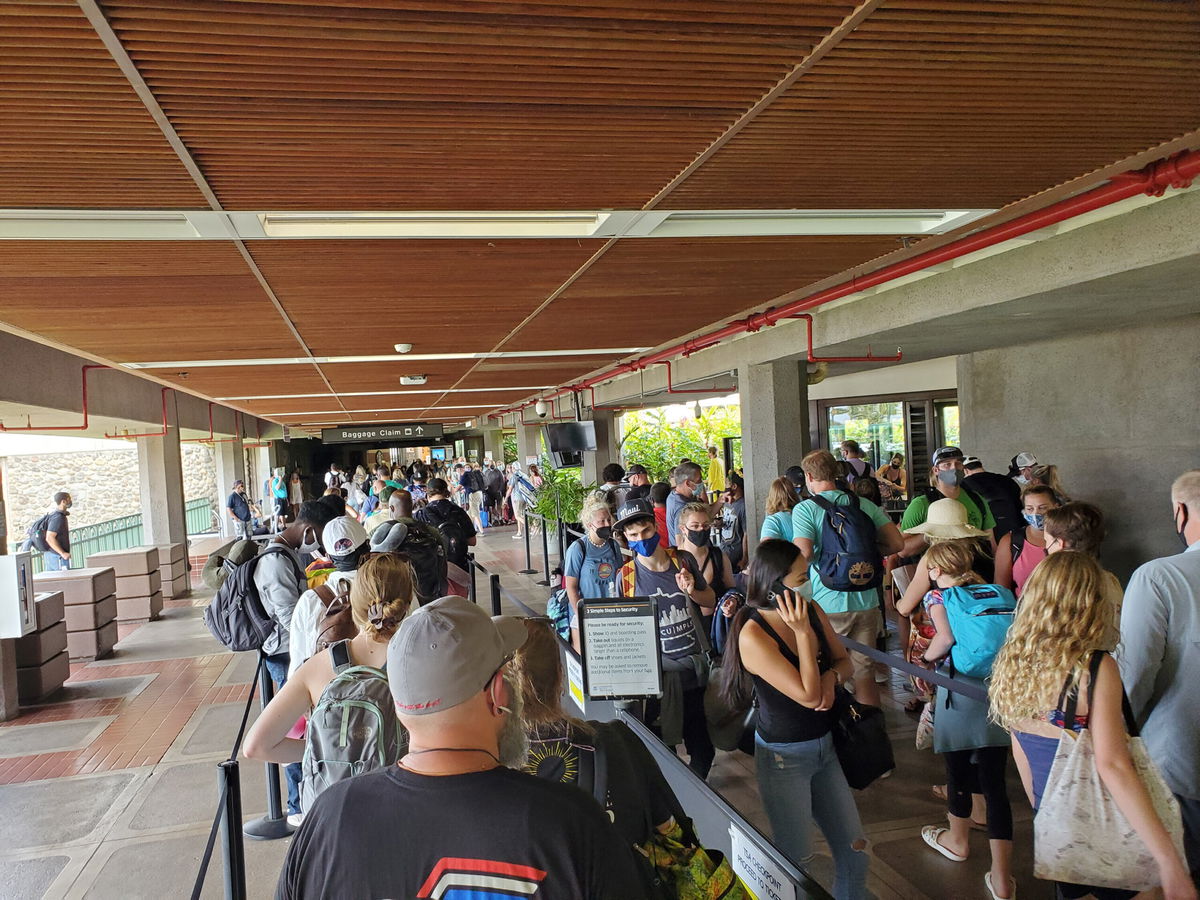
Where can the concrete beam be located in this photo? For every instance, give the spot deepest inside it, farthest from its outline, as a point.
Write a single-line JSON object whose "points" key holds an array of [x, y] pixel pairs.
{"points": [[1107, 275]]}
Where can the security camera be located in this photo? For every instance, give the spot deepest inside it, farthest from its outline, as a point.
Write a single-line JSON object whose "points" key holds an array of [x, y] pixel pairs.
{"points": [[541, 408]]}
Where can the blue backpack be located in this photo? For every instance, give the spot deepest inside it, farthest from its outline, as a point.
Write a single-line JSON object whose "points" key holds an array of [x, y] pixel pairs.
{"points": [[850, 558], [558, 611], [980, 616]]}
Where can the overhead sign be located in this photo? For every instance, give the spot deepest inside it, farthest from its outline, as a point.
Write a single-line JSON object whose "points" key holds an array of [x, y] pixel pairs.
{"points": [[395, 431], [620, 648]]}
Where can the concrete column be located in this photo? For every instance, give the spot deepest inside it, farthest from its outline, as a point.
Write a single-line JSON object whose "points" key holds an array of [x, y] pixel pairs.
{"points": [[493, 443], [606, 446], [8, 648], [774, 402], [160, 475], [231, 467], [529, 443]]}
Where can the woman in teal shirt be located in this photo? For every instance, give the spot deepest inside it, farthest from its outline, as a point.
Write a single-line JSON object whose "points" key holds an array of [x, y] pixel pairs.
{"points": [[780, 500]]}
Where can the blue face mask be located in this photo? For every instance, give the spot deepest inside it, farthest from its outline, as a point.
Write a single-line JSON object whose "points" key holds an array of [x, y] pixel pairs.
{"points": [[1036, 520], [646, 547], [951, 477]]}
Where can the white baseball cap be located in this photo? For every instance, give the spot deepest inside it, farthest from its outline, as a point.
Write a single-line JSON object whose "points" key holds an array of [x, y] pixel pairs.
{"points": [[343, 536]]}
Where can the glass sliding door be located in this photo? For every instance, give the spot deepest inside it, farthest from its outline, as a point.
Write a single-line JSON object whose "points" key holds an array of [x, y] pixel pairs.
{"points": [[878, 428]]}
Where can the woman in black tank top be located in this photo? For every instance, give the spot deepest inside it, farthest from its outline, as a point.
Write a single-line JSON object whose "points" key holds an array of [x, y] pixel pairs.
{"points": [[782, 647], [695, 536]]}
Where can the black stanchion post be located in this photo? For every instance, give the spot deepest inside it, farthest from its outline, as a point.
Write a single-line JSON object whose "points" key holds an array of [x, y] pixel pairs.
{"points": [[471, 591], [233, 851], [545, 555], [494, 581], [274, 824], [529, 569]]}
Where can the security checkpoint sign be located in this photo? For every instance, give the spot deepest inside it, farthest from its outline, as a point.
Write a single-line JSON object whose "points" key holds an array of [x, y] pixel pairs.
{"points": [[394, 431], [620, 648], [761, 874]]}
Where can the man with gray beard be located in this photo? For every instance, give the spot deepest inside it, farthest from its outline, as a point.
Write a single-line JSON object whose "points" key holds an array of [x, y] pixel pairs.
{"points": [[455, 814]]}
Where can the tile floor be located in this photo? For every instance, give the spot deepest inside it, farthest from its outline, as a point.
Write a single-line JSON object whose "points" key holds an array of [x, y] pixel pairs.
{"points": [[107, 789]]}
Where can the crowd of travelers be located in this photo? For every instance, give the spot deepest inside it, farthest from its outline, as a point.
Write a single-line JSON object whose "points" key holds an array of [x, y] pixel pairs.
{"points": [[469, 775]]}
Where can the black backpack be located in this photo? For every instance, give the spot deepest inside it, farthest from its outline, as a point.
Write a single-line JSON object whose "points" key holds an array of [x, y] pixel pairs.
{"points": [[236, 616], [476, 481], [441, 516], [35, 535], [427, 555], [850, 559]]}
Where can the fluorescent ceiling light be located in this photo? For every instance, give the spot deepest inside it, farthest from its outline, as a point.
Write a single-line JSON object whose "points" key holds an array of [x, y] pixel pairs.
{"points": [[413, 379], [403, 348], [355, 412], [431, 224], [537, 387], [387, 357]]}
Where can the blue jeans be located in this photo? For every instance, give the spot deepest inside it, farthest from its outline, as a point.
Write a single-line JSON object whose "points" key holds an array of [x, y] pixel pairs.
{"points": [[277, 667], [803, 782], [52, 562]]}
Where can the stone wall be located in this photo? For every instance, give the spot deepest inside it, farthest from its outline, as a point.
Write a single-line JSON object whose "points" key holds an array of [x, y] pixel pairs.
{"points": [[103, 484]]}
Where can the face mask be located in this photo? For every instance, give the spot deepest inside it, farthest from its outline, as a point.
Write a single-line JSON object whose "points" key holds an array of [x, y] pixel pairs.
{"points": [[1037, 520], [805, 590], [1182, 528], [1022, 480], [951, 477], [646, 547], [311, 548], [604, 532], [700, 538]]}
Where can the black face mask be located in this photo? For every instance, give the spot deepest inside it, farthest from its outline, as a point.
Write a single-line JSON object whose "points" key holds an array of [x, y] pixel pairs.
{"points": [[700, 538], [604, 532], [1183, 528]]}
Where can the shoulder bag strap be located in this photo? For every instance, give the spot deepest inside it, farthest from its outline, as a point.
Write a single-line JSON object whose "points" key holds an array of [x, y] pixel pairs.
{"points": [[600, 771], [324, 593], [1131, 726]]}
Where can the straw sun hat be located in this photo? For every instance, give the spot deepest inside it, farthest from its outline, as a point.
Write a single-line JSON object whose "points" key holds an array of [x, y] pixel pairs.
{"points": [[946, 519]]}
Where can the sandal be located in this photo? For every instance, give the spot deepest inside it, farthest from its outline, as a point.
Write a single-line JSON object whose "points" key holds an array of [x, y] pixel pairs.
{"points": [[930, 835], [1012, 888]]}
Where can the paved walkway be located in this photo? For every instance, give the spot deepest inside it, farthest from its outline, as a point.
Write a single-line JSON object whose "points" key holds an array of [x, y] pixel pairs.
{"points": [[108, 789]]}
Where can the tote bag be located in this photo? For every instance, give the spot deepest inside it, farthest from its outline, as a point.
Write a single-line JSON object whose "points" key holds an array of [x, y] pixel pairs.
{"points": [[1079, 834]]}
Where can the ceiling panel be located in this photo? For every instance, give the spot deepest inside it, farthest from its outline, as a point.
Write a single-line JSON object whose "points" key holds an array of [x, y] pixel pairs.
{"points": [[442, 296], [653, 290], [961, 104], [139, 302], [443, 105], [244, 381], [75, 133]]}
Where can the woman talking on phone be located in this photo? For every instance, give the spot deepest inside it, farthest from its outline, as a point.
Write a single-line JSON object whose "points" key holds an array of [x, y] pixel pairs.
{"points": [[785, 644]]}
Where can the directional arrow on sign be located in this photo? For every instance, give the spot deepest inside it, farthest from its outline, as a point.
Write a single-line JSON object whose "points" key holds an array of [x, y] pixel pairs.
{"points": [[419, 430]]}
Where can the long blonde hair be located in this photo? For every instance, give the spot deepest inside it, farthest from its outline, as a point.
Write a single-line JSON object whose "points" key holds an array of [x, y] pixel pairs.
{"points": [[381, 595], [1064, 615]]}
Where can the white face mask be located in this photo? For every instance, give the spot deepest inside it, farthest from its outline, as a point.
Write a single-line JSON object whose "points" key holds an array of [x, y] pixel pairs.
{"points": [[311, 548]]}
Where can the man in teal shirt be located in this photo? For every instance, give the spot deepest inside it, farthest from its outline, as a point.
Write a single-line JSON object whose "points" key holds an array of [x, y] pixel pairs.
{"points": [[853, 614]]}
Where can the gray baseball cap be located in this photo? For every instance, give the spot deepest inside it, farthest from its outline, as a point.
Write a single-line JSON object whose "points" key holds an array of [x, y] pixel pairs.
{"points": [[445, 653]]}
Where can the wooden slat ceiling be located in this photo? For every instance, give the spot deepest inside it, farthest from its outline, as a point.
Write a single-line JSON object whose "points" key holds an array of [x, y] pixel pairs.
{"points": [[441, 105], [965, 104], [696, 281], [400, 290], [74, 132], [137, 302], [446, 105]]}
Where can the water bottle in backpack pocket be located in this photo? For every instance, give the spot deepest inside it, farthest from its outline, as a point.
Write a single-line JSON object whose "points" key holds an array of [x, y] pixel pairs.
{"points": [[353, 728], [980, 616]]}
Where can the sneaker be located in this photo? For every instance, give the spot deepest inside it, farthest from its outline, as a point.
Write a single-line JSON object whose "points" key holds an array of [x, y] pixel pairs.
{"points": [[517, 537], [296, 819]]}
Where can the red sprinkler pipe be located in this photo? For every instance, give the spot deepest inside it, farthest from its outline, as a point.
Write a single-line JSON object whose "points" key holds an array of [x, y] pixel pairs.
{"points": [[594, 407], [671, 389], [549, 418], [161, 433], [31, 427], [1174, 172], [870, 357], [212, 437]]}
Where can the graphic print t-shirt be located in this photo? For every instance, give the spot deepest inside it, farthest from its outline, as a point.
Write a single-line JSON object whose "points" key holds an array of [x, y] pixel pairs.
{"points": [[676, 625], [393, 833]]}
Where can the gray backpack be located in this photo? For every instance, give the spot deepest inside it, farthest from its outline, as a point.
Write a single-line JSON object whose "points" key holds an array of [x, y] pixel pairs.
{"points": [[353, 729]]}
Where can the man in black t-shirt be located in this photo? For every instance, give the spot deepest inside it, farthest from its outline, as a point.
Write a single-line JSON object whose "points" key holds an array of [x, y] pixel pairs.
{"points": [[239, 510], [450, 519], [1001, 493], [452, 819], [58, 535]]}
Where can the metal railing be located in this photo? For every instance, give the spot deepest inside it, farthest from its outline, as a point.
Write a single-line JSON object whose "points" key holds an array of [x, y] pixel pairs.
{"points": [[125, 532]]}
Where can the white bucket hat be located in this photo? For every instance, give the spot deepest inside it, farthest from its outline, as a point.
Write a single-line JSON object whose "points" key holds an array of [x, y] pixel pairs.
{"points": [[946, 519]]}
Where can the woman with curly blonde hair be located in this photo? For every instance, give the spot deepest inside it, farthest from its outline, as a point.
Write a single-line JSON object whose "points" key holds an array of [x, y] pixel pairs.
{"points": [[1065, 617]]}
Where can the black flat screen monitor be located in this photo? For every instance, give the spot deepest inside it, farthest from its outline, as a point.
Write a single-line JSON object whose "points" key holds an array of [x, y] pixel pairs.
{"points": [[571, 437]]}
